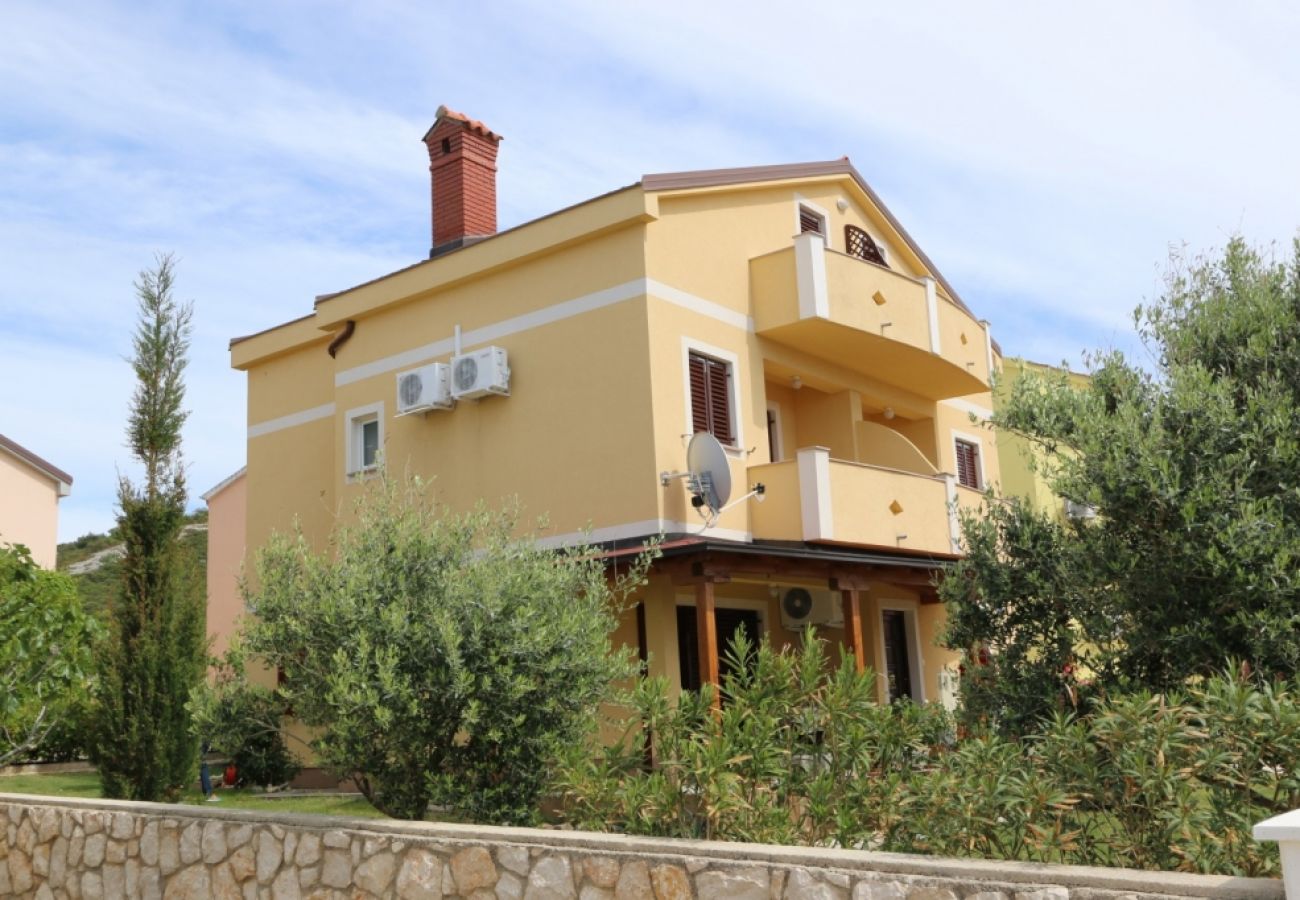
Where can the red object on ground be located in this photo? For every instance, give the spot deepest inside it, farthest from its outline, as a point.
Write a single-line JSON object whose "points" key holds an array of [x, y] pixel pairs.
{"points": [[231, 772]]}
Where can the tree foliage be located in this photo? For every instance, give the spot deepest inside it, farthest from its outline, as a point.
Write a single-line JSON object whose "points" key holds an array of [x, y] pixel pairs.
{"points": [[441, 658], [155, 656], [1193, 469], [46, 642]]}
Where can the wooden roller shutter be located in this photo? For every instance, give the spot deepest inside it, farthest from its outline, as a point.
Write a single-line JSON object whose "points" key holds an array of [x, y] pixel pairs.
{"points": [[711, 397], [968, 464]]}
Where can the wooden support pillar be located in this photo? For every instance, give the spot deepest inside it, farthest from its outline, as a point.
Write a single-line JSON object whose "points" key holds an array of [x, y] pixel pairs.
{"points": [[706, 629], [853, 627]]}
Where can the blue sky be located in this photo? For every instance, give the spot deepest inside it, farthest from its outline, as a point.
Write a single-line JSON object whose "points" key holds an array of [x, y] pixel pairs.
{"points": [[1047, 156]]}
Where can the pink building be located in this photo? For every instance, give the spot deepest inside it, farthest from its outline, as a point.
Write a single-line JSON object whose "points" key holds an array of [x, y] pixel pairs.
{"points": [[227, 506], [30, 489]]}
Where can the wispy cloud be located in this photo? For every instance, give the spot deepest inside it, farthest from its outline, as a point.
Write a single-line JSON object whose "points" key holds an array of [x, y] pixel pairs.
{"points": [[1046, 156]]}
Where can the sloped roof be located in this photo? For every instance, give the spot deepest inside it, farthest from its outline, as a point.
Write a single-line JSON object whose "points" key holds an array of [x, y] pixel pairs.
{"points": [[41, 465]]}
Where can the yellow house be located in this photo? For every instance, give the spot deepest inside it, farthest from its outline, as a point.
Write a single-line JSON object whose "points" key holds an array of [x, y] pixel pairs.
{"points": [[783, 309], [1022, 462], [30, 491]]}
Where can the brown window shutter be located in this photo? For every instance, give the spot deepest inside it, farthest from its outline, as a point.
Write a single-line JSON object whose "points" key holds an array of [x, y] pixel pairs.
{"points": [[720, 402], [968, 469], [699, 393], [711, 397], [858, 243], [809, 221]]}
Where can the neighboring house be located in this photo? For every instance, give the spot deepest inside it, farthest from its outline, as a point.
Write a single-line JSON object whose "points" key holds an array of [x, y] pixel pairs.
{"points": [[782, 308], [1022, 462], [30, 490], [227, 520]]}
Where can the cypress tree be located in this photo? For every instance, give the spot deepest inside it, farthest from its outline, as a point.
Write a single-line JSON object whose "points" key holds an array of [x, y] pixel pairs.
{"points": [[144, 744]]}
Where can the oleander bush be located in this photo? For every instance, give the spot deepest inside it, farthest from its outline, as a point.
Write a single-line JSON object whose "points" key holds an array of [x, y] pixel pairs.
{"points": [[803, 754]]}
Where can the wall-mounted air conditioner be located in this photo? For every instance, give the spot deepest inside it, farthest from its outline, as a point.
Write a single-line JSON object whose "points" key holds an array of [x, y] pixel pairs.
{"points": [[425, 388], [801, 607], [480, 373]]}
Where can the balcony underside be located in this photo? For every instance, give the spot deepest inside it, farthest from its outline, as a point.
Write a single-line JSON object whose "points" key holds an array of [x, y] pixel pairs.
{"points": [[878, 356]]}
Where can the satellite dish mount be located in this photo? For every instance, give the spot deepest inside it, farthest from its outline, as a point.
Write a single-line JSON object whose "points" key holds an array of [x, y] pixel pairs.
{"points": [[708, 476]]}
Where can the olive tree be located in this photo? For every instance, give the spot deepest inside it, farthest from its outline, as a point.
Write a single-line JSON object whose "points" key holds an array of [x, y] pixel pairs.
{"points": [[440, 658], [1192, 465], [45, 651]]}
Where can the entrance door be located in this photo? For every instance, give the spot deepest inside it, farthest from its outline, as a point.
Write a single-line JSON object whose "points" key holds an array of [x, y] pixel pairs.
{"points": [[729, 622], [898, 660]]}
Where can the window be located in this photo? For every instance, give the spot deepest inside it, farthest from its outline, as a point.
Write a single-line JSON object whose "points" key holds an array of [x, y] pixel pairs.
{"points": [[365, 438], [711, 397], [968, 464], [858, 243], [811, 220]]}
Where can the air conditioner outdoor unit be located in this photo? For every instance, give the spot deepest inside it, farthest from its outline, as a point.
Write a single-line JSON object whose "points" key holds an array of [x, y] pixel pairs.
{"points": [[801, 607], [425, 388], [1079, 510], [480, 374]]}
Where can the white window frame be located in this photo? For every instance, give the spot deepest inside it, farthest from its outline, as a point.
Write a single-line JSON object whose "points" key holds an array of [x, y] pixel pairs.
{"points": [[979, 456], [732, 361], [912, 631], [817, 210], [775, 436], [354, 436]]}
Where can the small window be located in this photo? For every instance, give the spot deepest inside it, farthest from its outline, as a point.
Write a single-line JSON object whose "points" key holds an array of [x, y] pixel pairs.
{"points": [[968, 464], [858, 243], [711, 397], [811, 220], [365, 439]]}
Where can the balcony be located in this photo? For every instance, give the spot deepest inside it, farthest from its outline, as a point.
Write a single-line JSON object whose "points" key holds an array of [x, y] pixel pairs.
{"points": [[816, 498], [869, 319]]}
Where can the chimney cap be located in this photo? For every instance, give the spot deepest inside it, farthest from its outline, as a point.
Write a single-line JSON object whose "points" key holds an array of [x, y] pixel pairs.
{"points": [[445, 114]]}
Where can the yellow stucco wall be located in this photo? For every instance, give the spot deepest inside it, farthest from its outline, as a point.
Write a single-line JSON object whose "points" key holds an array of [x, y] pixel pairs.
{"points": [[598, 308], [29, 509], [227, 520]]}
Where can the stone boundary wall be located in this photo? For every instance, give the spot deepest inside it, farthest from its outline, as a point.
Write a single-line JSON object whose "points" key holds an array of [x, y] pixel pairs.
{"points": [[92, 849]]}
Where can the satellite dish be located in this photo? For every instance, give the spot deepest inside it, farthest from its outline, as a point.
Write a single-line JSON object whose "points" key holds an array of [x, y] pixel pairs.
{"points": [[710, 472], [797, 604]]}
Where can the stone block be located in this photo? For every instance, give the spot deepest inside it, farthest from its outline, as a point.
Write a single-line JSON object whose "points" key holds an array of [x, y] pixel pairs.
{"points": [[132, 869], [269, 856], [224, 884], [879, 890], [670, 882], [931, 892], [214, 843], [376, 873], [513, 858], [76, 848], [509, 887], [601, 871], [243, 864], [115, 852], [337, 869], [802, 884], [41, 860], [285, 886], [191, 843], [308, 876], [121, 826], [550, 879], [47, 823], [58, 861], [308, 851], [337, 839], [169, 856], [25, 839], [634, 882], [471, 869], [732, 884], [420, 877], [591, 892], [1047, 893], [20, 871], [150, 885], [149, 844], [238, 835], [114, 881], [93, 856], [190, 883]]}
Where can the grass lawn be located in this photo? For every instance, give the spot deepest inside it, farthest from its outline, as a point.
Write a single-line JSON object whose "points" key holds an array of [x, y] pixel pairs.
{"points": [[86, 784]]}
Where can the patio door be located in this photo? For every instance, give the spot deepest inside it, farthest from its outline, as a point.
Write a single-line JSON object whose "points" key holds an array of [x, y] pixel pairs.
{"points": [[729, 622], [898, 661]]}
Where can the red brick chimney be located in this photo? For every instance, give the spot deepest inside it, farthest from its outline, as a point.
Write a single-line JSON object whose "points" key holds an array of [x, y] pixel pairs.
{"points": [[463, 162]]}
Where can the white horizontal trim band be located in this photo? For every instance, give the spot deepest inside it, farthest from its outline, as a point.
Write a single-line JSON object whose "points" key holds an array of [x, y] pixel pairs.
{"points": [[298, 418], [974, 409], [639, 287]]}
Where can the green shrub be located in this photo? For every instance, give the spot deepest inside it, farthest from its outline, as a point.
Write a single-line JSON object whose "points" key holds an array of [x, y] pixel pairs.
{"points": [[804, 755], [244, 720]]}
